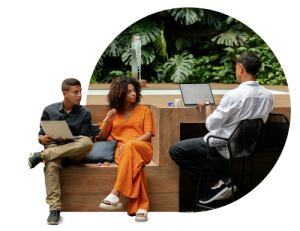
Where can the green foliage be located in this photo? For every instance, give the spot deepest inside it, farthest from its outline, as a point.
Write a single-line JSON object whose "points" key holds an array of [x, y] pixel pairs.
{"points": [[188, 45], [187, 16], [211, 18], [161, 45], [96, 76], [180, 66], [232, 37], [158, 80], [271, 72], [114, 49], [232, 33], [147, 29], [147, 56]]}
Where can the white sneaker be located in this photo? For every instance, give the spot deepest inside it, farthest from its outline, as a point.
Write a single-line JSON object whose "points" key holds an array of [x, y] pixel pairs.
{"points": [[228, 192]]}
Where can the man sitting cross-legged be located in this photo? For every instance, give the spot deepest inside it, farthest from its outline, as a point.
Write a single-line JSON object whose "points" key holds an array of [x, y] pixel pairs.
{"points": [[78, 119], [248, 101]]}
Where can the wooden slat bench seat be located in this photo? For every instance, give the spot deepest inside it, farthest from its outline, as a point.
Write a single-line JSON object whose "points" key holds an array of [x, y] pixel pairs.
{"points": [[84, 186]]}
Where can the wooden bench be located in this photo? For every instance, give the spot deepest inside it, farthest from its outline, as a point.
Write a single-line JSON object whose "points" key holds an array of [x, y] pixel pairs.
{"points": [[84, 186]]}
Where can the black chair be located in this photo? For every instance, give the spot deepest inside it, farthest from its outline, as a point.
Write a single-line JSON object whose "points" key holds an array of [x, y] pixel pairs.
{"points": [[277, 129], [241, 145]]}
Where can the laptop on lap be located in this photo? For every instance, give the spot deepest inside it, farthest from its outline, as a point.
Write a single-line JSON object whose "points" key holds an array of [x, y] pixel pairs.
{"points": [[193, 93], [58, 128]]}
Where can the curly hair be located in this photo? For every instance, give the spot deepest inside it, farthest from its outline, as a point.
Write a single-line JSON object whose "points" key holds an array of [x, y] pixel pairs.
{"points": [[250, 61], [118, 91]]}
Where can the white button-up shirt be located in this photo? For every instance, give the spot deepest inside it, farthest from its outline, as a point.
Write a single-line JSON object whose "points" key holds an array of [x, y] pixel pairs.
{"points": [[248, 101]]}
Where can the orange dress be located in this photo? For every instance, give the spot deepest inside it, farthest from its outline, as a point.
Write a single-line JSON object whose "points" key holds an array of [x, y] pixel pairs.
{"points": [[131, 178]]}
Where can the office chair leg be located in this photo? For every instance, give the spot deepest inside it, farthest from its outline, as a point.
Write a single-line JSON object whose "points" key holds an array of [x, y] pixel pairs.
{"points": [[242, 178], [232, 182], [252, 172], [199, 185]]}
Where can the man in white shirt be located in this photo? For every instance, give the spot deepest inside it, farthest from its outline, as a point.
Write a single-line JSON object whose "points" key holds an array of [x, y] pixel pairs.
{"points": [[248, 101]]}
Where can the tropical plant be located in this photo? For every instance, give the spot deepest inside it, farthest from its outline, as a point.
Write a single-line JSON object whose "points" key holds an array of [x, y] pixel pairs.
{"points": [[147, 56], [232, 33], [147, 29], [114, 49], [96, 76], [187, 16], [188, 45], [211, 18], [180, 66], [161, 45]]}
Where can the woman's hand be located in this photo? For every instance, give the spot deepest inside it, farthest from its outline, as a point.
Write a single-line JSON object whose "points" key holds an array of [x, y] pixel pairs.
{"points": [[96, 138], [121, 149], [111, 115]]}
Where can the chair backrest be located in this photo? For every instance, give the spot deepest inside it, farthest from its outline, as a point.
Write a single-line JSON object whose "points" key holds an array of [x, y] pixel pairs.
{"points": [[246, 138], [277, 128]]}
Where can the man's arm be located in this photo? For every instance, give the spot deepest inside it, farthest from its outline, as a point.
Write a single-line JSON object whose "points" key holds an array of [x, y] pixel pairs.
{"points": [[224, 111], [208, 108], [84, 129]]}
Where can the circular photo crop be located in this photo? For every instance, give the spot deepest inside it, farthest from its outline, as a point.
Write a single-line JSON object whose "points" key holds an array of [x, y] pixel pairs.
{"points": [[210, 94]]}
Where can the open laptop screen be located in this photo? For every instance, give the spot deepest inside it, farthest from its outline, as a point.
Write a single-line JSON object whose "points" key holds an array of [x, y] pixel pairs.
{"points": [[193, 93]]}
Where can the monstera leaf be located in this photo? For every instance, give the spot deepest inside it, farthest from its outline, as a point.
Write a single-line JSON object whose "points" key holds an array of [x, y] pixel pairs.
{"points": [[187, 16], [147, 29], [125, 38], [211, 18], [161, 45], [147, 55], [114, 49], [180, 66], [234, 36]]}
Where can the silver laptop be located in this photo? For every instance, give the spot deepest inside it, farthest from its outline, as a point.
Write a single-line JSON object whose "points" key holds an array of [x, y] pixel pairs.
{"points": [[58, 128], [193, 93]]}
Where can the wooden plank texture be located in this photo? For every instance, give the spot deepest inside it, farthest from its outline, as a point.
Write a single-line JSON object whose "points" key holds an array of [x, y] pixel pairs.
{"points": [[84, 186]]}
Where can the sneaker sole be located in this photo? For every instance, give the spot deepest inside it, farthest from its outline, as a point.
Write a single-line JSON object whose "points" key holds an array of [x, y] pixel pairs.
{"points": [[54, 223], [227, 194], [30, 166], [213, 198]]}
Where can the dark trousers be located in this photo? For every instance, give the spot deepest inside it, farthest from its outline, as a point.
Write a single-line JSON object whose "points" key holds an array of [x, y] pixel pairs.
{"points": [[186, 154]]}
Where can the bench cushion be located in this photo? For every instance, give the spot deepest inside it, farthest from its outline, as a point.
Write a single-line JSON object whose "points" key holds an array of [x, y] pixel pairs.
{"points": [[103, 151]]}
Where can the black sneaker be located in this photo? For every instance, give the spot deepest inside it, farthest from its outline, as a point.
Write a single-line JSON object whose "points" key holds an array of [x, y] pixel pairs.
{"points": [[34, 159], [213, 194], [228, 192], [54, 217]]}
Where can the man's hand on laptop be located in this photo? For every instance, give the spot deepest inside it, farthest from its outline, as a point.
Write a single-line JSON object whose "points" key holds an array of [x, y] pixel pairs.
{"points": [[59, 139], [47, 139], [200, 105]]}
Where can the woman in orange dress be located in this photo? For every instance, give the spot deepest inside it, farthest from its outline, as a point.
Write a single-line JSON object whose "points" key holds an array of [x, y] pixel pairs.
{"points": [[132, 125]]}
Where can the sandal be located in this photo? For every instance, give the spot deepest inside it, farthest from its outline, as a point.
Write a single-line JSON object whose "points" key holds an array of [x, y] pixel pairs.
{"points": [[141, 211], [113, 203]]}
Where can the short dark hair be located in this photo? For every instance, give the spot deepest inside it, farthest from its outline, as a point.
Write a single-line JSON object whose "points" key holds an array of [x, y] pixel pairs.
{"points": [[118, 92], [65, 86], [250, 61]]}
